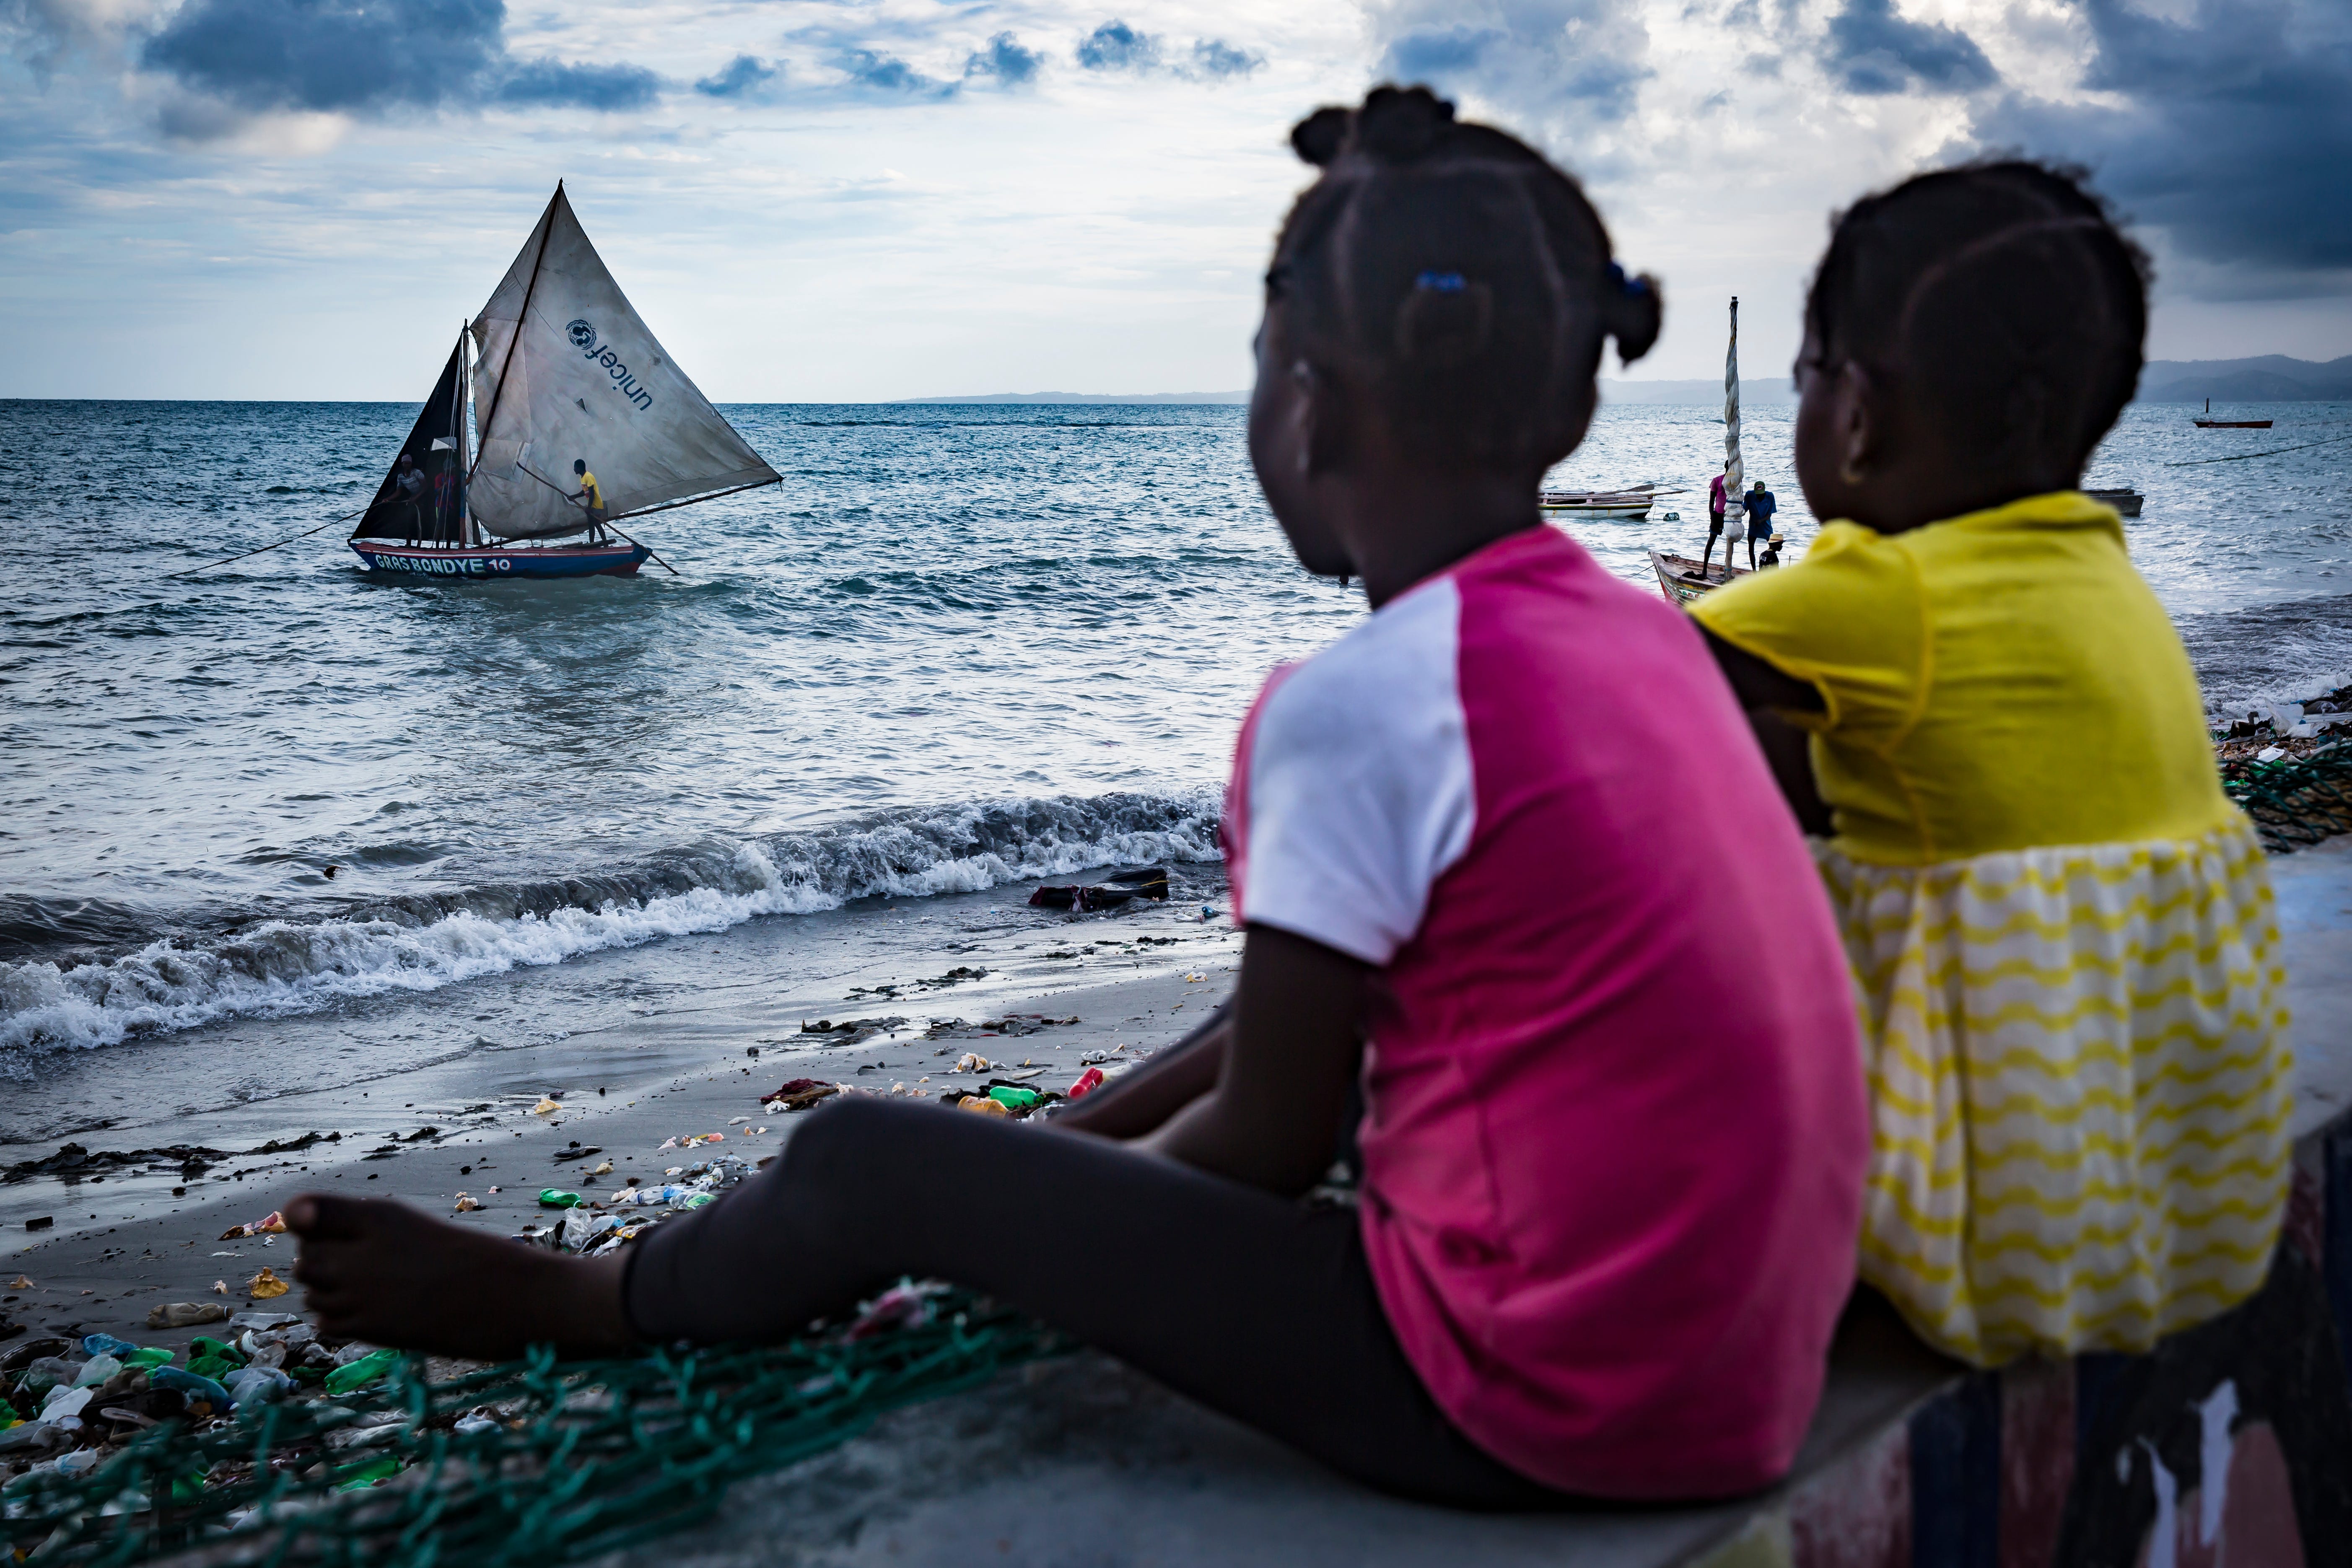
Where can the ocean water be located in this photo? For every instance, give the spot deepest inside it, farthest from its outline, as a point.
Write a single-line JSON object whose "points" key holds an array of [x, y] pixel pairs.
{"points": [[959, 647]]}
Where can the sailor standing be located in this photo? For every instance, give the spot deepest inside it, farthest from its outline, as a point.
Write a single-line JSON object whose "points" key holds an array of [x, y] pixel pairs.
{"points": [[408, 490], [591, 497]]}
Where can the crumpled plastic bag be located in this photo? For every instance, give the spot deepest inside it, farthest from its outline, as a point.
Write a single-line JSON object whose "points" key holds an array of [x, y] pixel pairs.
{"points": [[184, 1314], [266, 1286]]}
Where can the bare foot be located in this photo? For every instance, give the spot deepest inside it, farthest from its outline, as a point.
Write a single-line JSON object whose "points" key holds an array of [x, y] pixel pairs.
{"points": [[378, 1270]]}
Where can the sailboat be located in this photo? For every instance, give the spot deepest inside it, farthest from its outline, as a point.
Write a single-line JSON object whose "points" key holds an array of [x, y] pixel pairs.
{"points": [[1681, 578], [564, 379]]}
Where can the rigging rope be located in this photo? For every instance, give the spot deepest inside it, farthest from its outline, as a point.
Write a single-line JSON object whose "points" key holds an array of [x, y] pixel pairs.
{"points": [[267, 548], [2242, 457]]}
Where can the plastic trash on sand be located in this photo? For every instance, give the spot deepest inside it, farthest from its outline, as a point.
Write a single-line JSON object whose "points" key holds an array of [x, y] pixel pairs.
{"points": [[557, 1198], [372, 1367], [1088, 1082], [184, 1314], [105, 1344], [266, 1286], [973, 1061], [271, 1224], [547, 1106], [189, 1385], [466, 1204], [798, 1094], [984, 1105], [1013, 1099]]}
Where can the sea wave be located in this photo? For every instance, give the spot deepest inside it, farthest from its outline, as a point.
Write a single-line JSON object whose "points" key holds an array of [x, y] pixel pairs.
{"points": [[274, 968]]}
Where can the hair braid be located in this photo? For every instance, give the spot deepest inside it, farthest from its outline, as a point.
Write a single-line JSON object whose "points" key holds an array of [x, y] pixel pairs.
{"points": [[1465, 275]]}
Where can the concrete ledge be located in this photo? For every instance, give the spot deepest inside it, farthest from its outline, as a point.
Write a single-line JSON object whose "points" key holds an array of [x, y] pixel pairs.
{"points": [[2231, 1443]]}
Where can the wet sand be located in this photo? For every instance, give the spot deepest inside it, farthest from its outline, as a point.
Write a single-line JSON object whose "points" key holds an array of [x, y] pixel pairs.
{"points": [[696, 1062]]}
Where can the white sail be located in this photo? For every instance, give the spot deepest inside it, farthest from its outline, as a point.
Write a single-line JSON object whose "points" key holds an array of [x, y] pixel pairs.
{"points": [[1734, 505], [565, 371]]}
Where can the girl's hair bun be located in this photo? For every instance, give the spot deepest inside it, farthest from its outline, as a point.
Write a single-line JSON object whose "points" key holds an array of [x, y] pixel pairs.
{"points": [[1633, 312], [1318, 138], [1398, 125]]}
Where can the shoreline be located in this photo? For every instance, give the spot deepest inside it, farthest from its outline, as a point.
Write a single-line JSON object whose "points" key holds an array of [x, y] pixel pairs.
{"points": [[1133, 979]]}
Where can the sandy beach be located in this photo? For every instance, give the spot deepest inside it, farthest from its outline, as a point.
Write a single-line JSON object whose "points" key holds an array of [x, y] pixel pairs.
{"points": [[713, 1022]]}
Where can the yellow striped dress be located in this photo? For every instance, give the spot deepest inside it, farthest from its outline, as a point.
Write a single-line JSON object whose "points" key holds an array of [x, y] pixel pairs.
{"points": [[2061, 929]]}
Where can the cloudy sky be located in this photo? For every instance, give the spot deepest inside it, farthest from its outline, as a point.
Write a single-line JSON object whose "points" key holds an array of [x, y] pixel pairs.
{"points": [[891, 198]]}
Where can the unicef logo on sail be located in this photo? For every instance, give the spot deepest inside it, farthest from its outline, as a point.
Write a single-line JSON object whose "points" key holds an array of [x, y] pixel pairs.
{"points": [[583, 334]]}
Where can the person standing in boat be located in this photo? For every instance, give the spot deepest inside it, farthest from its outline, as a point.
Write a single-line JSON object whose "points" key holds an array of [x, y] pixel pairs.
{"points": [[1761, 505], [1715, 502], [591, 497], [408, 491]]}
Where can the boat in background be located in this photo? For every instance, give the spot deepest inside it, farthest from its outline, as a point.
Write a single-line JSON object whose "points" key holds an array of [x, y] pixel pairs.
{"points": [[2209, 423], [1683, 579], [1630, 504], [2126, 501], [563, 370]]}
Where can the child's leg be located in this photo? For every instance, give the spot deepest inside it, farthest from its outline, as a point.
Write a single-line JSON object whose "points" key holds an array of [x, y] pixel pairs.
{"points": [[1252, 1304]]}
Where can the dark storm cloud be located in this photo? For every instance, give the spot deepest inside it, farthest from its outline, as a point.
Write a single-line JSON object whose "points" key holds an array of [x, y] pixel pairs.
{"points": [[745, 76], [2234, 136], [1006, 60], [1215, 60], [1114, 46], [361, 57], [1870, 50]]}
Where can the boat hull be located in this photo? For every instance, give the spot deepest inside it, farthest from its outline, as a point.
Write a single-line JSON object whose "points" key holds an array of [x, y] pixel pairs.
{"points": [[1680, 578], [1619, 512], [2232, 424], [491, 564]]}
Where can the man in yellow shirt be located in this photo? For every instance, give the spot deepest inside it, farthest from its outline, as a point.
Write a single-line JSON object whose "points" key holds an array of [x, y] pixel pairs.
{"points": [[592, 494]]}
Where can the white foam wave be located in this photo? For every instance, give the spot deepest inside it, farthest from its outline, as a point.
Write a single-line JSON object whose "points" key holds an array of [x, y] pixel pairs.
{"points": [[283, 968]]}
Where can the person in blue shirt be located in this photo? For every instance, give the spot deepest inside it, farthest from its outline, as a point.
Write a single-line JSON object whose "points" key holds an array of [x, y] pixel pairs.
{"points": [[1760, 508]]}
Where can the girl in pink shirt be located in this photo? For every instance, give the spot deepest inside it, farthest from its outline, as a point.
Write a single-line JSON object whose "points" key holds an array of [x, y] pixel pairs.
{"points": [[1509, 861]]}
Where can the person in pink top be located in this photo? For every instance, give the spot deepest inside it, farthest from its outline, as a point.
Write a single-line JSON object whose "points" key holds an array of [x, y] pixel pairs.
{"points": [[1611, 1162]]}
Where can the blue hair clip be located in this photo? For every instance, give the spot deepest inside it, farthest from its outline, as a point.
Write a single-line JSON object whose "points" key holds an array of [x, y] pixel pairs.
{"points": [[1627, 284], [1441, 282]]}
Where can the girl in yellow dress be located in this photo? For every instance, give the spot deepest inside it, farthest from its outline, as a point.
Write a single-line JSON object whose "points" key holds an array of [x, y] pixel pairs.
{"points": [[2061, 929]]}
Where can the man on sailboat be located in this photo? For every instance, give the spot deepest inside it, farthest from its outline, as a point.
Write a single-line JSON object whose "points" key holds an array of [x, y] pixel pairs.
{"points": [[408, 486], [592, 494]]}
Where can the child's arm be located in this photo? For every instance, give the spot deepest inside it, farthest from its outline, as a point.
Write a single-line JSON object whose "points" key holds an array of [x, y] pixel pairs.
{"points": [[1766, 693], [1142, 1099], [1297, 1039]]}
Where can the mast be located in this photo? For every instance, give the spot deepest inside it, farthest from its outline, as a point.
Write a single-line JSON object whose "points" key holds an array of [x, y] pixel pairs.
{"points": [[465, 451], [522, 317], [1734, 475]]}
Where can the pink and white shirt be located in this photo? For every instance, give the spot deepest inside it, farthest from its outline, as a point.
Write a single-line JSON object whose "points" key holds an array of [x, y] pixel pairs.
{"points": [[1615, 1128]]}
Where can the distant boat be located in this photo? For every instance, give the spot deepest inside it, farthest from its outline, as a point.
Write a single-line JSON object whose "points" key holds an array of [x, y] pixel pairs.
{"points": [[1683, 578], [563, 370], [2127, 502], [2212, 423], [1631, 504]]}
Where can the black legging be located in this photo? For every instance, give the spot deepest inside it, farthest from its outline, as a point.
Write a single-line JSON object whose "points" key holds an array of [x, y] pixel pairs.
{"points": [[1258, 1307]]}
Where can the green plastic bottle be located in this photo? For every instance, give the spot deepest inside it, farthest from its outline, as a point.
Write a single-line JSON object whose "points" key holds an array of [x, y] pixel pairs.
{"points": [[557, 1198], [369, 1368], [1013, 1099]]}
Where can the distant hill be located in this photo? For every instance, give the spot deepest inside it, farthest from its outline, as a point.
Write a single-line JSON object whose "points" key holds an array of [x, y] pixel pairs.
{"points": [[1090, 397], [2268, 378]]}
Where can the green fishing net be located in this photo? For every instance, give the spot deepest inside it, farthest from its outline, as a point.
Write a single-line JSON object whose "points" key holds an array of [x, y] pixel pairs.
{"points": [[2296, 802], [535, 1462]]}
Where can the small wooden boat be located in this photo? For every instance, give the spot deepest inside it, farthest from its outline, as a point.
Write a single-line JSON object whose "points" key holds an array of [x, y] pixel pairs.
{"points": [[2127, 502], [1683, 579], [1631, 504], [2209, 423]]}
